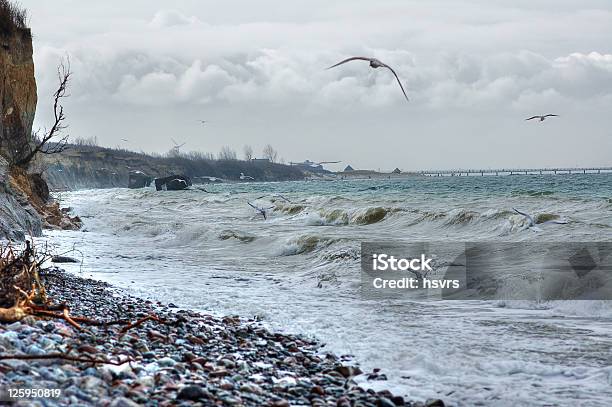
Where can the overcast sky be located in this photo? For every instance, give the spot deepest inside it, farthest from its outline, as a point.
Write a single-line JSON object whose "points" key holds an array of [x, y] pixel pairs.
{"points": [[147, 70]]}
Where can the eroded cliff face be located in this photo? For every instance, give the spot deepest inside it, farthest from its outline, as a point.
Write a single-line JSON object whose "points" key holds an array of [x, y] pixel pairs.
{"points": [[17, 91], [17, 216], [18, 212]]}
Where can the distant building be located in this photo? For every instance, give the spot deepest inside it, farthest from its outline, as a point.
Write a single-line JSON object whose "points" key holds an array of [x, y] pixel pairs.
{"points": [[349, 169], [397, 171], [260, 160]]}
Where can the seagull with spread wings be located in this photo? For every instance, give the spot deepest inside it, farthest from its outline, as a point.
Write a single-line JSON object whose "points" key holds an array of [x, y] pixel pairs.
{"points": [[374, 63], [542, 118], [262, 211]]}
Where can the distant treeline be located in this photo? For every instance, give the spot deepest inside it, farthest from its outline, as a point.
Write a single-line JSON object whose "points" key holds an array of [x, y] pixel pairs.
{"points": [[82, 159], [231, 169]]}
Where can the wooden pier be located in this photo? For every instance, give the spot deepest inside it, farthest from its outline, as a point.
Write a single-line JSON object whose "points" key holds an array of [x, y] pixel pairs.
{"points": [[514, 171]]}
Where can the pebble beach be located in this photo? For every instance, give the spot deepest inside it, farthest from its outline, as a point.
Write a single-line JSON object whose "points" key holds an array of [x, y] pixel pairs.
{"points": [[179, 357]]}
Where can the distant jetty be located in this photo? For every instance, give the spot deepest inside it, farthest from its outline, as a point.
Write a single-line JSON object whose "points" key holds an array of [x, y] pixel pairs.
{"points": [[515, 171], [397, 173]]}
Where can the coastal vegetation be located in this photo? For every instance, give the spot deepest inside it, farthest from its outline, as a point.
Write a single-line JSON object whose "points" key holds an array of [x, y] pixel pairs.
{"points": [[12, 18], [86, 165], [24, 194]]}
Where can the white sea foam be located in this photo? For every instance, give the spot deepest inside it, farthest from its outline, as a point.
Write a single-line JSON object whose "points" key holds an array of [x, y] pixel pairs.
{"points": [[208, 251]]}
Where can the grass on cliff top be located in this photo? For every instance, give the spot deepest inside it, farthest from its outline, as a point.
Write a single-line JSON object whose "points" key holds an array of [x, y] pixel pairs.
{"points": [[13, 17]]}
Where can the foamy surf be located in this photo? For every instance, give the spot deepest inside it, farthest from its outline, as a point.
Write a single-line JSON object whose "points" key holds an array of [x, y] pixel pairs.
{"points": [[299, 270]]}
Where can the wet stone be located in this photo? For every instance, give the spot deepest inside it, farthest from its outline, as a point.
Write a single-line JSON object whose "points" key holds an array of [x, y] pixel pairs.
{"points": [[193, 393]]}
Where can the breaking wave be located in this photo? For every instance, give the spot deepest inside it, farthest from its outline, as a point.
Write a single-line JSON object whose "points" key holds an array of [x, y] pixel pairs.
{"points": [[291, 209], [338, 217], [461, 216], [305, 244], [235, 234], [370, 215]]}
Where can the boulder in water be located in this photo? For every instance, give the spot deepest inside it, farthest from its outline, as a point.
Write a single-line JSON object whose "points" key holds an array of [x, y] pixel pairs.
{"points": [[138, 179], [173, 183], [63, 259]]}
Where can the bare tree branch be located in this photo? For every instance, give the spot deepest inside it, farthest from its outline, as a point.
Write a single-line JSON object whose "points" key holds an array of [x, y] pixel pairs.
{"points": [[270, 153], [44, 144], [248, 152]]}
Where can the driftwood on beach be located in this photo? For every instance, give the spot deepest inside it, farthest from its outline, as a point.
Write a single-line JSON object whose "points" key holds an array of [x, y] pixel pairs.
{"points": [[22, 292], [19, 283]]}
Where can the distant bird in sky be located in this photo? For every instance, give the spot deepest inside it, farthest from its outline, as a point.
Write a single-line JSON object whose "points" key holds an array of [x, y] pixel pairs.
{"points": [[177, 145], [262, 211], [203, 121], [245, 177], [374, 63], [532, 223], [124, 139], [542, 118]]}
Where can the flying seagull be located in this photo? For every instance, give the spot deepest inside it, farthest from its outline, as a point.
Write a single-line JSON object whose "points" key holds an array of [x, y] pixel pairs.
{"points": [[532, 223], [243, 177], [263, 211], [374, 63], [542, 118], [203, 121]]}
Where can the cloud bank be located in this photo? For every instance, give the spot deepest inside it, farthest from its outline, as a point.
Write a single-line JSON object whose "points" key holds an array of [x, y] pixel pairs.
{"points": [[471, 58]]}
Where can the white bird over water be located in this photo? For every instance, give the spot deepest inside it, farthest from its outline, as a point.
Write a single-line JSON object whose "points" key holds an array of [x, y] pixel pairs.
{"points": [[262, 211], [532, 223], [244, 177], [542, 118], [374, 63]]}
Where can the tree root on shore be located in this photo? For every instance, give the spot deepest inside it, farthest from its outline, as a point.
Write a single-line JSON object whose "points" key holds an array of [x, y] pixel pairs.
{"points": [[23, 294], [19, 271], [12, 314], [21, 309], [140, 322]]}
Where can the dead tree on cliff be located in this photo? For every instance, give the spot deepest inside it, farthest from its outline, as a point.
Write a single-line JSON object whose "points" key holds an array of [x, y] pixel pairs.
{"points": [[45, 143]]}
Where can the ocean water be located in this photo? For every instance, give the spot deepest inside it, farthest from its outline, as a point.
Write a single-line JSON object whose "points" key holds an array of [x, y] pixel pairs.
{"points": [[299, 271]]}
